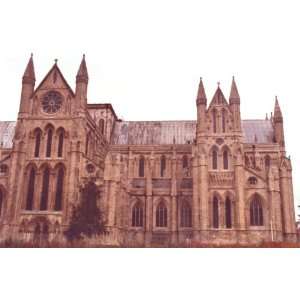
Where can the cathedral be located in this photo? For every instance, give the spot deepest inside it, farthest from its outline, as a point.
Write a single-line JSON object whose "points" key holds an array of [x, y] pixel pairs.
{"points": [[214, 180]]}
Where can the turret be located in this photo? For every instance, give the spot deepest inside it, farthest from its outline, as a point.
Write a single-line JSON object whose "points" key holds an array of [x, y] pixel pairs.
{"points": [[81, 84], [278, 124], [234, 102], [201, 107], [28, 82]]}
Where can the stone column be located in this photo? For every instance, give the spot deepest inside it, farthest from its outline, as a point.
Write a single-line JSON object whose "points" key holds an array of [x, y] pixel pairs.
{"points": [[203, 186], [174, 204], [286, 193], [149, 201], [239, 179]]}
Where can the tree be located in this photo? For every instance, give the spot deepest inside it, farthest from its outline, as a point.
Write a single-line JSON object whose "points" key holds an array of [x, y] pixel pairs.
{"points": [[86, 217]]}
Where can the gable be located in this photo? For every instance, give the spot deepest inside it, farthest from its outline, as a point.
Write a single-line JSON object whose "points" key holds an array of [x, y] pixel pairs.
{"points": [[54, 80]]}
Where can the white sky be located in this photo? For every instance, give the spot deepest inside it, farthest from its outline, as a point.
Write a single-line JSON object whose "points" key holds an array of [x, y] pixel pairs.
{"points": [[146, 57]]}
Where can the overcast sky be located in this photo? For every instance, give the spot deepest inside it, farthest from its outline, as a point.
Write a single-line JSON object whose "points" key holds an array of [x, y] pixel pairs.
{"points": [[146, 57]]}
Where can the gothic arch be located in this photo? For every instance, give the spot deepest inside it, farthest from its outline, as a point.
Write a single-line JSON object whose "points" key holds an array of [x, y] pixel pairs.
{"points": [[60, 136], [216, 201], [60, 172], [214, 116], [141, 166], [49, 134], [226, 158], [257, 210], [37, 134], [44, 197], [224, 116], [185, 213], [137, 214], [161, 213], [214, 157], [30, 176]]}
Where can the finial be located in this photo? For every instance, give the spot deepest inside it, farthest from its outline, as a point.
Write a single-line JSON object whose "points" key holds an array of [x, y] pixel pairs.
{"points": [[218, 83], [267, 116], [55, 60], [31, 55], [200, 78], [232, 77], [83, 56]]}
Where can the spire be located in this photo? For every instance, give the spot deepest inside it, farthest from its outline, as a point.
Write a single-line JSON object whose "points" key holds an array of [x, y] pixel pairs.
{"points": [[234, 94], [29, 75], [277, 111], [82, 74], [201, 97]]}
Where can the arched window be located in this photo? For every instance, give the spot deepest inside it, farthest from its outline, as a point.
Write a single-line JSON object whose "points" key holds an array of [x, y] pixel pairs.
{"points": [[185, 162], [142, 166], [267, 161], [60, 146], [161, 215], [186, 215], [45, 189], [214, 159], [101, 126], [30, 190], [59, 189], [256, 212], [137, 215], [38, 136], [215, 212], [225, 160], [223, 120], [162, 166], [214, 119], [1, 201], [228, 217], [49, 142], [3, 169]]}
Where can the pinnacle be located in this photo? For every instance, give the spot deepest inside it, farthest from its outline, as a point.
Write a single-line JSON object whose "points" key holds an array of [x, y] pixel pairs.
{"points": [[201, 97], [82, 74], [234, 94], [29, 74], [277, 110]]}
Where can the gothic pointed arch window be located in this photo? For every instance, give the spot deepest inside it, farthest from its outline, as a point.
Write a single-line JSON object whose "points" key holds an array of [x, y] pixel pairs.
{"points": [[267, 161], [1, 201], [256, 212], [161, 215], [162, 166], [37, 144], [225, 160], [223, 120], [228, 214], [49, 141], [45, 189], [137, 215], [101, 126], [59, 189], [214, 120], [185, 162], [215, 212], [186, 215], [214, 159], [142, 166], [30, 190], [60, 145]]}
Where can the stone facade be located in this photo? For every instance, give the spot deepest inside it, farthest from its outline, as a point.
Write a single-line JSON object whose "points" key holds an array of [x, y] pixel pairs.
{"points": [[218, 179]]}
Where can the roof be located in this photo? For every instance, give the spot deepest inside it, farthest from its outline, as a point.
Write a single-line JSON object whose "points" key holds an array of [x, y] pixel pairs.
{"points": [[181, 132], [159, 132], [7, 131]]}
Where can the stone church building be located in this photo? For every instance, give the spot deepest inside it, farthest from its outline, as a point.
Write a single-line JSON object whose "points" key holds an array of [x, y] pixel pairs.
{"points": [[216, 179]]}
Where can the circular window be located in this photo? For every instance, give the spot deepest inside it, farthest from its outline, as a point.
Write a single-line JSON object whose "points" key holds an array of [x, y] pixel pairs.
{"points": [[51, 103]]}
